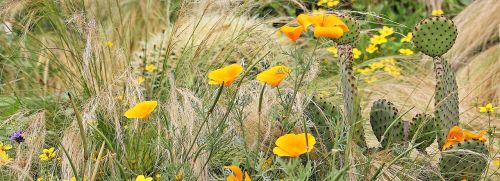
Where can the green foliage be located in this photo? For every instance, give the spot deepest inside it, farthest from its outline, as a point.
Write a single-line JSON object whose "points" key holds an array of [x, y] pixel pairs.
{"points": [[465, 160], [435, 35]]}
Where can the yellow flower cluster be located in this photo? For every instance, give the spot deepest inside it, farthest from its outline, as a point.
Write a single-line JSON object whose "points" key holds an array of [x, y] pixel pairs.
{"points": [[379, 39], [47, 154], [4, 158], [388, 65], [407, 38], [405, 51], [328, 3]]}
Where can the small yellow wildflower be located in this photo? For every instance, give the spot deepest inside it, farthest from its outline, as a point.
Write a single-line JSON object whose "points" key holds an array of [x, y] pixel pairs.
{"points": [[378, 39], [392, 70], [386, 31], [329, 3], [496, 161], [333, 50], [150, 68], [370, 80], [376, 65], [5, 147], [437, 12], [39, 179], [140, 79], [371, 48], [4, 158], [356, 53], [158, 176], [71, 179], [407, 38], [487, 109], [47, 154], [405, 51], [143, 178], [389, 61], [179, 176], [109, 44], [364, 71]]}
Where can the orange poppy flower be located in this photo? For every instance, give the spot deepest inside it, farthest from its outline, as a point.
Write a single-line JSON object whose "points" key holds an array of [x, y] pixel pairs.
{"points": [[141, 110], [225, 75], [294, 145], [457, 135], [238, 174], [293, 33], [274, 75]]}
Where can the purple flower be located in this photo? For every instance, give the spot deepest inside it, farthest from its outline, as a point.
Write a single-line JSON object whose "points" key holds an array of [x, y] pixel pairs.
{"points": [[17, 137]]}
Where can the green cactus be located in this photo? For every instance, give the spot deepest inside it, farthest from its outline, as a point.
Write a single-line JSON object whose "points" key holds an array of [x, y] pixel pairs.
{"points": [[349, 89], [382, 115], [427, 132], [445, 98], [464, 160], [325, 116], [351, 37], [434, 36]]}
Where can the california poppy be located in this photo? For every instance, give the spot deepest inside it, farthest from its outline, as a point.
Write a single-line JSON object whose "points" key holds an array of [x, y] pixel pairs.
{"points": [[456, 135], [274, 75], [325, 25], [141, 110], [238, 174], [294, 145], [225, 75], [293, 33]]}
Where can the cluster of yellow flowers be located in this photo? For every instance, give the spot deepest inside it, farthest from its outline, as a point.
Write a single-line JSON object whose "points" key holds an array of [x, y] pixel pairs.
{"points": [[328, 3], [379, 39], [388, 65], [47, 154]]}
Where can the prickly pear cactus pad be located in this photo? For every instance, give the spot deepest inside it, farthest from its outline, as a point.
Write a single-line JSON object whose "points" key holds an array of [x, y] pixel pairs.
{"points": [[445, 98], [352, 36], [325, 115], [352, 108], [435, 35], [464, 160], [427, 132], [382, 115]]}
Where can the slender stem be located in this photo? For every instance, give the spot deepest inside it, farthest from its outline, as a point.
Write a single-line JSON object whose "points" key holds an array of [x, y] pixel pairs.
{"points": [[261, 97], [82, 132], [219, 92]]}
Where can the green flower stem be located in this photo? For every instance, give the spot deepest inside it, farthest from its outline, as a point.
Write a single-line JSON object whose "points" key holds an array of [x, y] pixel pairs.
{"points": [[261, 97]]}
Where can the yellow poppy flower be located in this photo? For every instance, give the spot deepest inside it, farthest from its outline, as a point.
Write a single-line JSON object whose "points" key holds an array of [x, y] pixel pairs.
{"points": [[378, 39], [386, 31], [47, 154], [238, 174], [140, 79], [225, 75], [356, 53], [5, 147], [294, 145], [141, 110], [325, 25], [150, 68], [274, 75], [405, 51], [293, 33], [371, 48], [407, 38], [143, 178], [487, 109], [437, 12], [4, 158]]}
